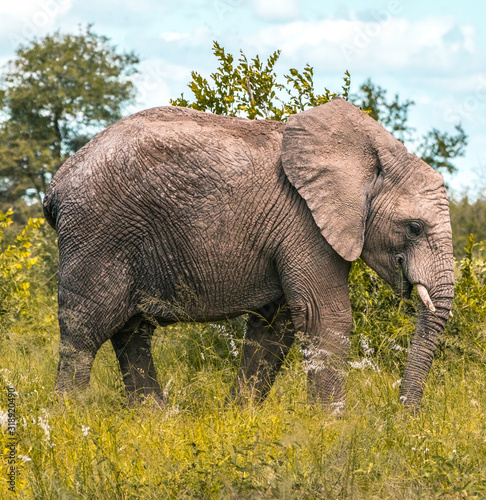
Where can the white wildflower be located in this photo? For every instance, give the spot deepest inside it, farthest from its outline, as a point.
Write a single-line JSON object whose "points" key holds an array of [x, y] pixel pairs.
{"points": [[315, 365], [227, 333], [364, 363], [25, 458], [174, 410], [166, 388], [221, 328], [85, 430], [395, 346], [43, 423], [5, 377], [338, 407], [4, 419], [365, 344], [234, 350]]}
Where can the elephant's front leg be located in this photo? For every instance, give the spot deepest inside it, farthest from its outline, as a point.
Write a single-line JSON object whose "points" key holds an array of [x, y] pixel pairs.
{"points": [[325, 352], [318, 297], [269, 337], [133, 348]]}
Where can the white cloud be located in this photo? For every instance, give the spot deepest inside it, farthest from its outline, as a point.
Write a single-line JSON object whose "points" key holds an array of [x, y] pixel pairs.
{"points": [[137, 5], [21, 21], [173, 36], [270, 10], [201, 35], [394, 44], [158, 82]]}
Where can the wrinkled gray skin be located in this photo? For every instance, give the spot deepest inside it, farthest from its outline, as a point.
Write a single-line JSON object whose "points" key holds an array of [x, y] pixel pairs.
{"points": [[175, 214]]}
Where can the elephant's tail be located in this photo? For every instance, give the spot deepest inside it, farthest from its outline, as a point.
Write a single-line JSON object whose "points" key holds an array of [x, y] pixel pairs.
{"points": [[50, 207]]}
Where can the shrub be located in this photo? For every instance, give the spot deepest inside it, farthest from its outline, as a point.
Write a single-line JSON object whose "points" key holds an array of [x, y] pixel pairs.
{"points": [[16, 260]]}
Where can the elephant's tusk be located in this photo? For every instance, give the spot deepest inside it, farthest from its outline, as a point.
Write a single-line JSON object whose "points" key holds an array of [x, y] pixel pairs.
{"points": [[424, 295], [450, 314]]}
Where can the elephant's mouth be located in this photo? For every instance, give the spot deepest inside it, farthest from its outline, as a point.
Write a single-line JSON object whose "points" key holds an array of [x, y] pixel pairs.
{"points": [[402, 286]]}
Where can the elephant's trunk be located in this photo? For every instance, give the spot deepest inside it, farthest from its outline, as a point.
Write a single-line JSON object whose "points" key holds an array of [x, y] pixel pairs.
{"points": [[430, 325]]}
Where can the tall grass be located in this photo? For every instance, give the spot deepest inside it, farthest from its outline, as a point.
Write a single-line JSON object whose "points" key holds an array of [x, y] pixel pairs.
{"points": [[204, 446]]}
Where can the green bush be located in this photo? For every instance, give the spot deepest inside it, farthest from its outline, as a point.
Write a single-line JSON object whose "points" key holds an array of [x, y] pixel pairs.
{"points": [[465, 333], [382, 322], [16, 260]]}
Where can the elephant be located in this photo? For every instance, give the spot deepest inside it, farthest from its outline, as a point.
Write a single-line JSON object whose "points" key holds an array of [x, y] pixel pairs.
{"points": [[173, 214]]}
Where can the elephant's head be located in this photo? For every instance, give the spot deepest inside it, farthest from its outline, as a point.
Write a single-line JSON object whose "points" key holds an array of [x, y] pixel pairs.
{"points": [[373, 199]]}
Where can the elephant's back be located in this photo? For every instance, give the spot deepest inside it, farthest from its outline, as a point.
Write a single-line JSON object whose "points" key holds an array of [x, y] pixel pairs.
{"points": [[177, 149], [172, 130]]}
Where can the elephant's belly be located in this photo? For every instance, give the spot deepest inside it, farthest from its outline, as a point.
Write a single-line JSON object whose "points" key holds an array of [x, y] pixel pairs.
{"points": [[210, 293]]}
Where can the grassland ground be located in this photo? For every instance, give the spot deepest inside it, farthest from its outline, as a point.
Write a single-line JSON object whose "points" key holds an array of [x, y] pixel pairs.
{"points": [[201, 446]]}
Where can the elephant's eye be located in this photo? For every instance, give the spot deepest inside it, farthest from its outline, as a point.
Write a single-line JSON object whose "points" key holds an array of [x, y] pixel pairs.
{"points": [[415, 228]]}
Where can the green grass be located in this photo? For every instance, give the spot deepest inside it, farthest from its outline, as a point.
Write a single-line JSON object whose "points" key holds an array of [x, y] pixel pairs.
{"points": [[201, 446]]}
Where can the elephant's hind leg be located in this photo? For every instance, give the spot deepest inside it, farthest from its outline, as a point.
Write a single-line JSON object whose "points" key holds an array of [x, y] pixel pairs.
{"points": [[269, 336], [74, 368], [133, 348], [80, 322]]}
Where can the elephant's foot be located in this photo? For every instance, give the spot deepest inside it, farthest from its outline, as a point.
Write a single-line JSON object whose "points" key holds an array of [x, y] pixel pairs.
{"points": [[326, 389], [74, 370], [144, 391]]}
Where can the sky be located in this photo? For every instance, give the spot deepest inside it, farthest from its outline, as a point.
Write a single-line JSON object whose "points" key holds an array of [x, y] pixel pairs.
{"points": [[433, 52]]}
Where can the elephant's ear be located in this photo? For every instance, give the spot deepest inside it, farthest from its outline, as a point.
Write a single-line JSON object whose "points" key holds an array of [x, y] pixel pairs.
{"points": [[329, 156]]}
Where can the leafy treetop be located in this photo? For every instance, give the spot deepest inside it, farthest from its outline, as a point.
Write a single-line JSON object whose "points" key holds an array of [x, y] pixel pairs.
{"points": [[55, 94], [435, 147], [250, 88]]}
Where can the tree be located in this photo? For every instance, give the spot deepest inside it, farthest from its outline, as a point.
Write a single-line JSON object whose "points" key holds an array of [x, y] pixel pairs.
{"points": [[435, 147], [439, 148], [393, 115], [56, 94], [252, 89]]}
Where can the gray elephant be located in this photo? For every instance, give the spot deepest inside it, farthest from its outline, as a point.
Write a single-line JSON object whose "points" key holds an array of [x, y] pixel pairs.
{"points": [[173, 213]]}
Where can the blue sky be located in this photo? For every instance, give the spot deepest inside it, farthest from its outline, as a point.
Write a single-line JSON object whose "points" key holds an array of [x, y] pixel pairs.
{"points": [[432, 52]]}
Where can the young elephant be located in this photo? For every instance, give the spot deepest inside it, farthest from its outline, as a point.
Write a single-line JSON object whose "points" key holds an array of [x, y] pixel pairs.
{"points": [[173, 213]]}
